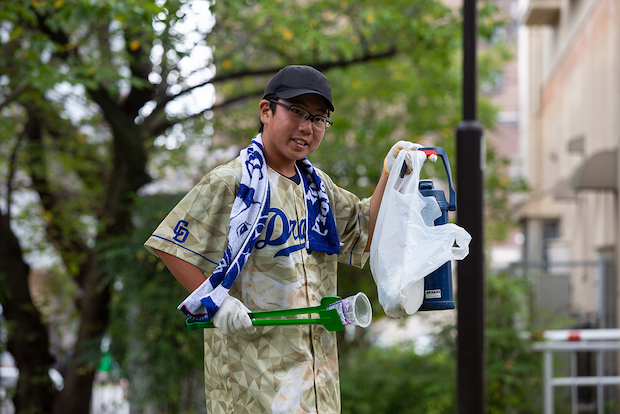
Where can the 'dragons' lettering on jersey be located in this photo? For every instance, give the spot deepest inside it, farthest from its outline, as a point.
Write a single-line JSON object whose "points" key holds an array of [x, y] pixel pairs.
{"points": [[290, 228]]}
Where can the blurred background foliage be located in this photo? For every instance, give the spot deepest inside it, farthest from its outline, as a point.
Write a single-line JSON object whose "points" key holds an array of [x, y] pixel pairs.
{"points": [[399, 380], [161, 358], [99, 99]]}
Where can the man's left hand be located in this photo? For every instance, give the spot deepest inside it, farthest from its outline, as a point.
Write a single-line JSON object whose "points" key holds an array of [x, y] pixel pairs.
{"points": [[388, 162]]}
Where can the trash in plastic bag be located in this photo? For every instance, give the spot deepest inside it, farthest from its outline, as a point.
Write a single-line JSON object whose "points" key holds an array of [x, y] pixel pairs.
{"points": [[406, 245]]}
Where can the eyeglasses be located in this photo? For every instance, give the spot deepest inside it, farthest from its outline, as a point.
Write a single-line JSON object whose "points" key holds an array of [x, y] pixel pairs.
{"points": [[299, 114]]}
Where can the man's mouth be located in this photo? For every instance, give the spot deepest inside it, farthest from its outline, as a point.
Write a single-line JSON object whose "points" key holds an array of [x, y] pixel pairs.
{"points": [[300, 142]]}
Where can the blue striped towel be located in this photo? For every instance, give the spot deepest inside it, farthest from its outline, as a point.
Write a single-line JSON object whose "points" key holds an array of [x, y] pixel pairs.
{"points": [[247, 220]]}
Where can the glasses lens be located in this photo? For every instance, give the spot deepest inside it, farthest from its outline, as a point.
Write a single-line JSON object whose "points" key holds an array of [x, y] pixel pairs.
{"points": [[298, 113], [321, 122]]}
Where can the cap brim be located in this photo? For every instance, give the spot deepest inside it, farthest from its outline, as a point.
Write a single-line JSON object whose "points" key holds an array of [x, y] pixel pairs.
{"points": [[292, 93]]}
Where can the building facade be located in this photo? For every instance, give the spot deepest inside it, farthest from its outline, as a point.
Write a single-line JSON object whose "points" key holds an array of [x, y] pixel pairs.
{"points": [[570, 134]]}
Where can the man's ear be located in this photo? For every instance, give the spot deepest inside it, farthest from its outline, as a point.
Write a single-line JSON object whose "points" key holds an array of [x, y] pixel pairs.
{"points": [[265, 111]]}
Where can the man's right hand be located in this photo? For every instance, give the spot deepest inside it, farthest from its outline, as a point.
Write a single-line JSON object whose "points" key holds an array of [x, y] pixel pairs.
{"points": [[232, 318]]}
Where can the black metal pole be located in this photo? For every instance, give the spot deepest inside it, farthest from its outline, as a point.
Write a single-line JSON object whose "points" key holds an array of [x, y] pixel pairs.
{"points": [[470, 293]]}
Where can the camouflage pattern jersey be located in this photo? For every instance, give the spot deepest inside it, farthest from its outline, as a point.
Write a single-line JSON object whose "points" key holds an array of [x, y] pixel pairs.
{"points": [[278, 369]]}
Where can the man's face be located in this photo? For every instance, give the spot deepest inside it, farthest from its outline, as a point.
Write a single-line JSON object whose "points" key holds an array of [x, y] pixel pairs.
{"points": [[287, 140]]}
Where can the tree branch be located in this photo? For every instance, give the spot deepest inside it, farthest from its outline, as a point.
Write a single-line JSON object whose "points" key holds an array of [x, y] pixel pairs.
{"points": [[140, 67], [65, 239], [322, 66], [160, 127], [13, 95], [56, 35], [129, 164], [12, 171]]}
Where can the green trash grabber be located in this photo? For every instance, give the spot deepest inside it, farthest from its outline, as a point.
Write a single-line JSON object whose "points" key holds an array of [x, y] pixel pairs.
{"points": [[334, 313]]}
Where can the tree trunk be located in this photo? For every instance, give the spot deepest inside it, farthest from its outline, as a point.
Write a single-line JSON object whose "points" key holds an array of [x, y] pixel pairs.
{"points": [[126, 175], [94, 317], [28, 340]]}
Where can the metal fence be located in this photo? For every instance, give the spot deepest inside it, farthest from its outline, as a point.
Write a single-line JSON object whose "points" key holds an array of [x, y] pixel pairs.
{"points": [[601, 386], [579, 298]]}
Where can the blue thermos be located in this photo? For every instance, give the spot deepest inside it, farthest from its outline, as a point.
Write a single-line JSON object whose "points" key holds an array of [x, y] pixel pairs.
{"points": [[438, 285]]}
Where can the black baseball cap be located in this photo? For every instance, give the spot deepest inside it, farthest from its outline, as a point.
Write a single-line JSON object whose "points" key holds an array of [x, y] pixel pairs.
{"points": [[296, 80]]}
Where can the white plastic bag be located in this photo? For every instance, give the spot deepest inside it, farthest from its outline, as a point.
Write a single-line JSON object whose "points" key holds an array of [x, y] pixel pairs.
{"points": [[406, 246]]}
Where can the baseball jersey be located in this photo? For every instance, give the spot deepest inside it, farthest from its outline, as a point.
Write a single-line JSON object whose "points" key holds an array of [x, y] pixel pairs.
{"points": [[278, 369]]}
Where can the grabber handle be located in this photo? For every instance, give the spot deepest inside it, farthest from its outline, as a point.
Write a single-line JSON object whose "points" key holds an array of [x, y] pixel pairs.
{"points": [[258, 318], [441, 153]]}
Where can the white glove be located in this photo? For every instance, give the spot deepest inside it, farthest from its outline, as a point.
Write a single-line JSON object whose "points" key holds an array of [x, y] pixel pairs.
{"points": [[232, 318], [393, 153]]}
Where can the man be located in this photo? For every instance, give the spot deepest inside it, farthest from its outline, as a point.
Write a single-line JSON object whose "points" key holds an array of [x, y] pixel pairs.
{"points": [[268, 230]]}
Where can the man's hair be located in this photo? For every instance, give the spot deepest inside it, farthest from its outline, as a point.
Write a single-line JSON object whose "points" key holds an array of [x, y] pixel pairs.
{"points": [[272, 106]]}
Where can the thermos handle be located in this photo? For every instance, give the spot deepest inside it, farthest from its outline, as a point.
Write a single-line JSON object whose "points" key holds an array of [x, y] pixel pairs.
{"points": [[440, 152]]}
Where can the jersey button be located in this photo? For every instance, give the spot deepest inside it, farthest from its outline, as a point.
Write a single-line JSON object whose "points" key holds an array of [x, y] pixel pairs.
{"points": [[298, 192]]}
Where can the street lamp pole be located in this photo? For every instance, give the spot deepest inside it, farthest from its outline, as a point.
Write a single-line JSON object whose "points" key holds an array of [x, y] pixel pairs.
{"points": [[470, 293]]}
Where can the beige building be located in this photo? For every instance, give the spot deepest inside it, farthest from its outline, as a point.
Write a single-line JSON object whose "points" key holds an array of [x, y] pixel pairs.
{"points": [[570, 133]]}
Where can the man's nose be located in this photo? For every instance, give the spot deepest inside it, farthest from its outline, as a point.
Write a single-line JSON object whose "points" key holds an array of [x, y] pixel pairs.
{"points": [[306, 124]]}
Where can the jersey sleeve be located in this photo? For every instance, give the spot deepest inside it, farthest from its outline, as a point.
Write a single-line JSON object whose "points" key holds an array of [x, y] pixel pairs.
{"points": [[196, 230], [352, 217]]}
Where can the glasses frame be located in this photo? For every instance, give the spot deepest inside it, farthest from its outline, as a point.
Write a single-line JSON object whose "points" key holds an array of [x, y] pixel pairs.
{"points": [[328, 122]]}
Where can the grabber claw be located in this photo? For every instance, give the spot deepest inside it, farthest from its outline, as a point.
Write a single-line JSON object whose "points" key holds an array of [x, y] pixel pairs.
{"points": [[334, 313]]}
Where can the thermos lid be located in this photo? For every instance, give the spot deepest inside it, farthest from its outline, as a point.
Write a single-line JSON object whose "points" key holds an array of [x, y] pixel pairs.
{"points": [[426, 185]]}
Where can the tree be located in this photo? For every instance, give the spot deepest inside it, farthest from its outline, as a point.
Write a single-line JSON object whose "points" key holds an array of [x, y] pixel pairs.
{"points": [[92, 92]]}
